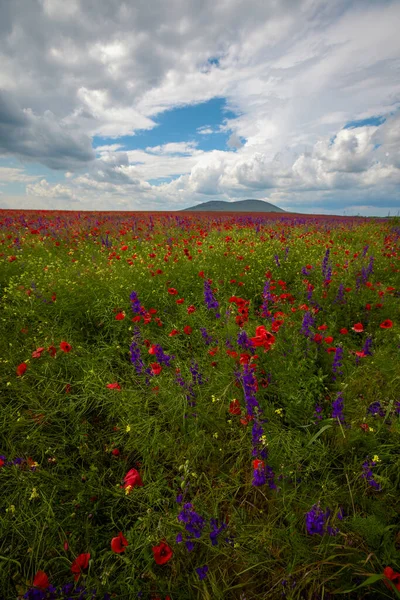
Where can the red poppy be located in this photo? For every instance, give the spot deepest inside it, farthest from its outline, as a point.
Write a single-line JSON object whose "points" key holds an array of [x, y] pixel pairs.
{"points": [[120, 316], [173, 332], [162, 553], [318, 338], [358, 327], [344, 331], [80, 563], [328, 340], [156, 368], [392, 576], [115, 452], [37, 353], [364, 426], [132, 479], [387, 324], [180, 301], [201, 273], [187, 329], [119, 543], [322, 328], [191, 309], [41, 580], [68, 388], [65, 347], [258, 464], [172, 291], [113, 386], [21, 369], [234, 407]]}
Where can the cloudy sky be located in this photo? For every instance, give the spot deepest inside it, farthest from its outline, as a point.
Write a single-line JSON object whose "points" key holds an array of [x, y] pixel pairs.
{"points": [[155, 105]]}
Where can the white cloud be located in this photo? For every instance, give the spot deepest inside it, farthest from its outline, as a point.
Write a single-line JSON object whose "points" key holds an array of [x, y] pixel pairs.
{"points": [[13, 174]]}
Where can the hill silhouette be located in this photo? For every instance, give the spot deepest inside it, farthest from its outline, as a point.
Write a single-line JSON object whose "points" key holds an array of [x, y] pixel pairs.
{"points": [[250, 205]]}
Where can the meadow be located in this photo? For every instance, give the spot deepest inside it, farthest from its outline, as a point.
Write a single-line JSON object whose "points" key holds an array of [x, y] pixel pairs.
{"points": [[199, 406]]}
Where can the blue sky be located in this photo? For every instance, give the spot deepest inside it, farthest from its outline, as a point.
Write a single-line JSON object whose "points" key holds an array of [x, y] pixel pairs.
{"points": [[297, 104]]}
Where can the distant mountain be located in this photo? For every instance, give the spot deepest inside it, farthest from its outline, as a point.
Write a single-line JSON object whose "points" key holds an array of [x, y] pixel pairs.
{"points": [[250, 205]]}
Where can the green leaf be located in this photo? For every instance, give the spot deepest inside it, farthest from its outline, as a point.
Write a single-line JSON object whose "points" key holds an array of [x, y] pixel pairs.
{"points": [[318, 434]]}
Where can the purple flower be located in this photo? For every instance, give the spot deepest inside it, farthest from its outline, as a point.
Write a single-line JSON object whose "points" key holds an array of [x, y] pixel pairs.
{"points": [[135, 304], [367, 346], [243, 340], [202, 572], [325, 263], [206, 337], [194, 523], [337, 362], [308, 321], [368, 475], [216, 531], [276, 258], [337, 408], [317, 521], [375, 408], [209, 299], [317, 412], [340, 295]]}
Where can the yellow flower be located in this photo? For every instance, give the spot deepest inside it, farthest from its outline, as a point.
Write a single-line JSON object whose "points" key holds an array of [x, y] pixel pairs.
{"points": [[34, 494], [279, 411], [376, 458], [128, 428], [128, 489]]}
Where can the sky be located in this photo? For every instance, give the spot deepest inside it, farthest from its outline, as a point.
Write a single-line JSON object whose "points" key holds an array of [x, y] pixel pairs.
{"points": [[154, 105]]}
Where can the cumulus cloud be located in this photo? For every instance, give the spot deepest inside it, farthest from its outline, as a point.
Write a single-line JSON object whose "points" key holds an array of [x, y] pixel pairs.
{"points": [[44, 189]]}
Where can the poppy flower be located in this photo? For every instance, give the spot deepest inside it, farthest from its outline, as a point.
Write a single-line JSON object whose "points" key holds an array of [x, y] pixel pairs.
{"points": [[172, 291], [119, 543], [328, 340], [115, 452], [156, 368], [65, 347], [234, 407], [37, 353], [80, 563], [344, 331], [191, 309], [180, 301], [322, 328], [173, 332], [258, 464], [392, 576], [120, 316], [21, 369], [113, 386], [187, 329], [41, 581], [358, 327], [387, 324], [162, 553], [132, 479]]}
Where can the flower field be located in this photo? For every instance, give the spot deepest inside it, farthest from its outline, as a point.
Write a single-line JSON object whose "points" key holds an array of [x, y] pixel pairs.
{"points": [[199, 406]]}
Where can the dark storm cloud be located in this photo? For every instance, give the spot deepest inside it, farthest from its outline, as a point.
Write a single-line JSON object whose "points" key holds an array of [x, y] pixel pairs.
{"points": [[41, 138]]}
